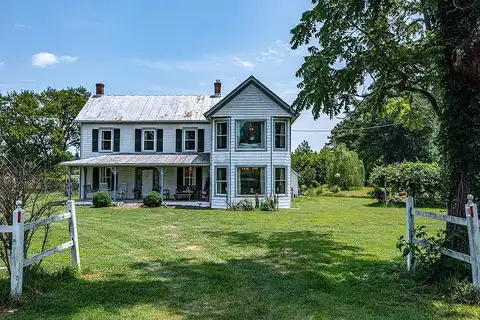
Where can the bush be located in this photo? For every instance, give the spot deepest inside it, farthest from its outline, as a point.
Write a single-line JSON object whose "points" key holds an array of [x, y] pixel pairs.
{"points": [[152, 199], [334, 189], [313, 192], [242, 205], [268, 205], [101, 200], [418, 179]]}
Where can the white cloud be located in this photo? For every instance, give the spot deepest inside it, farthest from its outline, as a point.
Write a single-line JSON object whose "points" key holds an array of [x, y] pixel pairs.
{"points": [[243, 63], [45, 59]]}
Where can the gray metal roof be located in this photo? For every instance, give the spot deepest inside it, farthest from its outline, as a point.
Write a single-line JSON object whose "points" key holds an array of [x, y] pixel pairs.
{"points": [[141, 160], [146, 108]]}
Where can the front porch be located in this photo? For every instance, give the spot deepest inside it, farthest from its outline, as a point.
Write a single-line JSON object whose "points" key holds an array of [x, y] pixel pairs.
{"points": [[181, 179], [137, 203]]}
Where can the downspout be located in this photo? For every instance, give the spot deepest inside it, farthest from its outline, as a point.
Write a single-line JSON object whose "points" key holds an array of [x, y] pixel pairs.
{"points": [[229, 177], [272, 134]]}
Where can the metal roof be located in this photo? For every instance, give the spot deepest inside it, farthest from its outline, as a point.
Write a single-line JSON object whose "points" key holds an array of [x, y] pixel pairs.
{"points": [[141, 160], [146, 108]]}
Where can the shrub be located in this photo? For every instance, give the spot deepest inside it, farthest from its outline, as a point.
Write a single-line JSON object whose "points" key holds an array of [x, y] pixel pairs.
{"points": [[313, 192], [418, 179], [101, 200], [152, 199], [335, 189], [268, 205], [242, 205]]}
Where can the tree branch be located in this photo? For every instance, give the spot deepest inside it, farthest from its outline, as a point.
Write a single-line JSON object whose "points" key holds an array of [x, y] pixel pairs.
{"points": [[427, 95]]}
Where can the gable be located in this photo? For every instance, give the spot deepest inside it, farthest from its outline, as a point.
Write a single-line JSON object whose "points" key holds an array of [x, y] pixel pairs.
{"points": [[251, 98]]}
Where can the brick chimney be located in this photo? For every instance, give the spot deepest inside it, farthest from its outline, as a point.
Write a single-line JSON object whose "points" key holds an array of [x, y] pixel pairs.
{"points": [[217, 86], [100, 89]]}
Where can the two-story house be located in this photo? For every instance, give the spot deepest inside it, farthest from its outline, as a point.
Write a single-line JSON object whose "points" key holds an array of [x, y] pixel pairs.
{"points": [[212, 149]]}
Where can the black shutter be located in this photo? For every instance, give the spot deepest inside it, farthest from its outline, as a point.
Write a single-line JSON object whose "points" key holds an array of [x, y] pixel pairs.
{"points": [[116, 140], [94, 140], [198, 177], [138, 140], [178, 141], [96, 178], [201, 140], [179, 176], [159, 140]]}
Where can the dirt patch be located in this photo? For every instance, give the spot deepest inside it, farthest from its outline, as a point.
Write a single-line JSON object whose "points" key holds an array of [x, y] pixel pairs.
{"points": [[131, 205], [190, 248], [89, 276], [172, 235], [170, 227]]}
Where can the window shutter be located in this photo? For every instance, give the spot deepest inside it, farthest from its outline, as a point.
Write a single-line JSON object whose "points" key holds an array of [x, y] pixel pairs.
{"points": [[96, 178], [178, 141], [198, 177], [94, 140], [159, 140], [138, 140], [179, 176], [201, 140], [116, 140]]}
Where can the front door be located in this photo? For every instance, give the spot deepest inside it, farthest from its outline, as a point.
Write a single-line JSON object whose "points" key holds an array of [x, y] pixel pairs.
{"points": [[147, 181]]}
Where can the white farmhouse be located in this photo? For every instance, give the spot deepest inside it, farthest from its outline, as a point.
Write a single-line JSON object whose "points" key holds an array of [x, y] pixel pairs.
{"points": [[209, 149]]}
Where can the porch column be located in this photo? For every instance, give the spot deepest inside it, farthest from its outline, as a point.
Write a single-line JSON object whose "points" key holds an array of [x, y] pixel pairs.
{"points": [[161, 171], [69, 184], [115, 172], [84, 183]]}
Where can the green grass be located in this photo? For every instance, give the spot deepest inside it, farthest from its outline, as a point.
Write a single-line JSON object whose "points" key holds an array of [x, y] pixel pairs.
{"points": [[328, 258], [356, 193]]}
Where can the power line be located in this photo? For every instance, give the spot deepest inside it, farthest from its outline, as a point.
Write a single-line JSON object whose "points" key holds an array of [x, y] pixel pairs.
{"points": [[356, 129]]}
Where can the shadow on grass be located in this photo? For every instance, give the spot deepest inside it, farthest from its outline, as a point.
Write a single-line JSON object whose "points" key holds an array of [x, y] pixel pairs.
{"points": [[285, 275]]}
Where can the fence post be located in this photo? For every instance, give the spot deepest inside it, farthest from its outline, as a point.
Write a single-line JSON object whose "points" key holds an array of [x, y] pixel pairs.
{"points": [[72, 227], [471, 214], [16, 262], [410, 231]]}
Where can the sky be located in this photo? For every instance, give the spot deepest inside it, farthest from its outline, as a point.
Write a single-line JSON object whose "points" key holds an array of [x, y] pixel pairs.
{"points": [[155, 47]]}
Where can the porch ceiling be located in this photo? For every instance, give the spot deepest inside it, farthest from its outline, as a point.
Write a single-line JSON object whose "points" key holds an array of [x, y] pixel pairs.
{"points": [[141, 160]]}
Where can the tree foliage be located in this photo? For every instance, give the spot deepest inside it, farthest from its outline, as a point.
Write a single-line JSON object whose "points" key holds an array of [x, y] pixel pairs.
{"points": [[345, 169], [39, 127], [311, 165]]}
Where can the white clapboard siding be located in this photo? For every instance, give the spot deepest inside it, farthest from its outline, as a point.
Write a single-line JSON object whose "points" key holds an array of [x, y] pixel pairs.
{"points": [[127, 136], [251, 104]]}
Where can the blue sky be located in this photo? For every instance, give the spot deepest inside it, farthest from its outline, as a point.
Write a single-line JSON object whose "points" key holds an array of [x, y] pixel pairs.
{"points": [[154, 47]]}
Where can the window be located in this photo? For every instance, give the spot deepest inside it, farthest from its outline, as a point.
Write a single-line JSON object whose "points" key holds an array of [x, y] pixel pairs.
{"points": [[188, 176], [250, 134], [221, 176], [280, 135], [148, 140], [222, 135], [280, 181], [190, 139], [106, 143], [106, 179], [251, 180]]}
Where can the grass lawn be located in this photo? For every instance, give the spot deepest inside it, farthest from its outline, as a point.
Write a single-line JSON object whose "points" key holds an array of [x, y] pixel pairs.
{"points": [[328, 258]]}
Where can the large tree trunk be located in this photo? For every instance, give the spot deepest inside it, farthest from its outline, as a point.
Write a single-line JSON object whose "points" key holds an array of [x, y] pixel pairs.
{"points": [[460, 118]]}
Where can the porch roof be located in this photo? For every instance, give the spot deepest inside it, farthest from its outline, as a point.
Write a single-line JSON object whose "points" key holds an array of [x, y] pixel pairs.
{"points": [[142, 160]]}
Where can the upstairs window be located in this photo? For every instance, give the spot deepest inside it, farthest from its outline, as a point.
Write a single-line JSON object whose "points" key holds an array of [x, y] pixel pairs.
{"points": [[250, 134], [280, 135], [149, 140], [106, 143], [222, 135], [190, 140]]}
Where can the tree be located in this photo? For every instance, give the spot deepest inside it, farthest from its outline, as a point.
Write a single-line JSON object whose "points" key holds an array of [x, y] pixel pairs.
{"points": [[345, 169], [402, 131], [374, 50], [311, 165]]}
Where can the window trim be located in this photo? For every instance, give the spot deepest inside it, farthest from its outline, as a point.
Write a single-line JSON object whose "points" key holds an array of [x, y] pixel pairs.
{"points": [[275, 180], [275, 135], [191, 177], [184, 136], [264, 135], [100, 140], [216, 180], [237, 177], [154, 139], [228, 134]]}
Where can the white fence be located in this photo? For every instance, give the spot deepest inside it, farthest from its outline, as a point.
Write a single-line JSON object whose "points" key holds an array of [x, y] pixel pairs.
{"points": [[18, 261], [470, 221]]}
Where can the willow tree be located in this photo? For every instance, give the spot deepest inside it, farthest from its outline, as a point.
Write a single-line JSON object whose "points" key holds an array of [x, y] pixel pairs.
{"points": [[377, 49], [345, 169]]}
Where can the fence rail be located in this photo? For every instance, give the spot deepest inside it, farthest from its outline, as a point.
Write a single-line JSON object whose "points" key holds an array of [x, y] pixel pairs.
{"points": [[18, 260], [473, 228]]}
